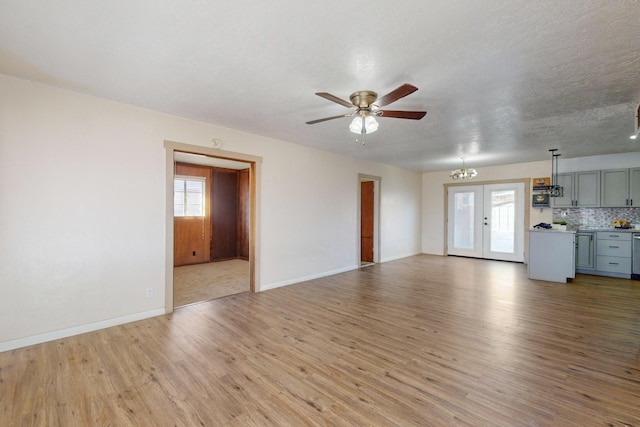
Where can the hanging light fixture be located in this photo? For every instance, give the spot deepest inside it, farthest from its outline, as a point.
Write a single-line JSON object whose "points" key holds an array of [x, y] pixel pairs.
{"points": [[554, 189], [363, 124], [463, 172]]}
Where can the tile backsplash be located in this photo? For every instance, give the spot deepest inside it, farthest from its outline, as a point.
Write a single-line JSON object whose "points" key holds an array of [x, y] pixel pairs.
{"points": [[599, 217]]}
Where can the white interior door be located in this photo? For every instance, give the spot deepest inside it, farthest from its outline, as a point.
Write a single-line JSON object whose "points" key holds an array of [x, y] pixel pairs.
{"points": [[487, 221]]}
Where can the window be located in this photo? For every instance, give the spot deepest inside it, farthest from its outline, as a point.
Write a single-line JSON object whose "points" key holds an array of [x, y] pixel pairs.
{"points": [[188, 196]]}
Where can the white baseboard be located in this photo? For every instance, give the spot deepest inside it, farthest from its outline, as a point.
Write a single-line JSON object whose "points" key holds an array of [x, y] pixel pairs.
{"points": [[81, 329], [77, 330], [327, 273], [393, 258], [306, 278]]}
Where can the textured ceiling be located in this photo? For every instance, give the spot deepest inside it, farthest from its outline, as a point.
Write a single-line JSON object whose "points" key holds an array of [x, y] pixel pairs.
{"points": [[502, 81]]}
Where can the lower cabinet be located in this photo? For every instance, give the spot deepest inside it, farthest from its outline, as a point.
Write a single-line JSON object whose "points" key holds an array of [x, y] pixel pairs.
{"points": [[585, 251], [614, 253]]}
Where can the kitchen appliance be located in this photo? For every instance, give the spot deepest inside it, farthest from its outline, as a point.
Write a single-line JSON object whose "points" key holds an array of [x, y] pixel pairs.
{"points": [[635, 260]]}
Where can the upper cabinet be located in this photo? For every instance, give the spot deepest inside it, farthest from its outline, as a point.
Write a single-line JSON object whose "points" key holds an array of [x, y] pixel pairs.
{"points": [[634, 187], [580, 189], [620, 188]]}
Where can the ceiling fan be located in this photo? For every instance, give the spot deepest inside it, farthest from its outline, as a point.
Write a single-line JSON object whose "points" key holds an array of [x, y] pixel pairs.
{"points": [[365, 108]]}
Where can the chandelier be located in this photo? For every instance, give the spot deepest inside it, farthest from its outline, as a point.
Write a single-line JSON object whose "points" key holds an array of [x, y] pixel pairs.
{"points": [[463, 172]]}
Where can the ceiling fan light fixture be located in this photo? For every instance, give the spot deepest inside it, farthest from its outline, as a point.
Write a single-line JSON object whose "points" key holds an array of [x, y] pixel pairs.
{"points": [[463, 172], [356, 125], [369, 125], [365, 111]]}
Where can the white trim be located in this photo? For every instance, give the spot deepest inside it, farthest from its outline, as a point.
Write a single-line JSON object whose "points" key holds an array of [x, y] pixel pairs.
{"points": [[393, 258], [306, 278], [77, 330], [254, 237]]}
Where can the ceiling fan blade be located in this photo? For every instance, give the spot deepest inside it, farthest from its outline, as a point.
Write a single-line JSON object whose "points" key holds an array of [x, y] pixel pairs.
{"points": [[313, 122], [394, 95], [334, 98], [413, 115]]}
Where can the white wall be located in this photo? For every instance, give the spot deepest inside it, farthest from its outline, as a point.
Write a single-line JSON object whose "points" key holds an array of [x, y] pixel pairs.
{"points": [[82, 216], [609, 161], [433, 224], [433, 190]]}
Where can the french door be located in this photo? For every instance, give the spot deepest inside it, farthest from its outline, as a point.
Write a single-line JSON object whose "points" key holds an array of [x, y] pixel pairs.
{"points": [[486, 221]]}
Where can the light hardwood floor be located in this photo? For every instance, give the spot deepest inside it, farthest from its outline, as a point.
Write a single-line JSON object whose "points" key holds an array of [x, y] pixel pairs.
{"points": [[426, 340], [204, 282]]}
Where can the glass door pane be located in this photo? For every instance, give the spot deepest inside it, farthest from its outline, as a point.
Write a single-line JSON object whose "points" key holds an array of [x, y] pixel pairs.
{"points": [[463, 220], [464, 225], [502, 221]]}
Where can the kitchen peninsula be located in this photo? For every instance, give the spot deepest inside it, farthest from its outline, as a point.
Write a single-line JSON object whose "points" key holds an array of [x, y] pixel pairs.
{"points": [[551, 255]]}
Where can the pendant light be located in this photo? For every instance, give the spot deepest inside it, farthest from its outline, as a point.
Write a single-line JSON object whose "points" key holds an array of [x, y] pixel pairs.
{"points": [[463, 172], [554, 189]]}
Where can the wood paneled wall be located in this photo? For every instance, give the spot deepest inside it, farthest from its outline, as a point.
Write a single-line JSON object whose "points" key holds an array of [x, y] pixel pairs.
{"points": [[191, 235], [227, 220]]}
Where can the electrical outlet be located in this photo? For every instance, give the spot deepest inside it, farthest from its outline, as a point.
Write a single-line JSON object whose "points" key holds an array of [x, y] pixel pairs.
{"points": [[149, 292]]}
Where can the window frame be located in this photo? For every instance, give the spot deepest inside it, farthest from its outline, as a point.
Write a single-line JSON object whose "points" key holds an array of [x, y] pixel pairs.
{"points": [[185, 179]]}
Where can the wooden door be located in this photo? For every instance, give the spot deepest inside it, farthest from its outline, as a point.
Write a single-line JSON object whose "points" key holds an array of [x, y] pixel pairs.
{"points": [[224, 214], [366, 221]]}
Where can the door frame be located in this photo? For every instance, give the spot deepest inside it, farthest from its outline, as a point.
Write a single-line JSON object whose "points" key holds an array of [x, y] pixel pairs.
{"points": [[377, 185], [254, 206], [527, 207]]}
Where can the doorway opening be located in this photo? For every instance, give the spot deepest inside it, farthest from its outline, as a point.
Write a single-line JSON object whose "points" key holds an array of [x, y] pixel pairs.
{"points": [[369, 219], [211, 250], [211, 228], [487, 221]]}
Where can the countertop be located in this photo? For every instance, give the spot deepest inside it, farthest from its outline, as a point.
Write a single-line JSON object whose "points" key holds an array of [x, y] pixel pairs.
{"points": [[610, 229], [551, 230]]}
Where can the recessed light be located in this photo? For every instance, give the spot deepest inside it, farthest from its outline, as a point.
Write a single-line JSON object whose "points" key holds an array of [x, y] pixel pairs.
{"points": [[633, 136]]}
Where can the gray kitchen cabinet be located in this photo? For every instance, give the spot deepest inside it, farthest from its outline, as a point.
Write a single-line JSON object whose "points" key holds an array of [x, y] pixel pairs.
{"points": [[614, 188], [585, 251], [580, 189], [634, 187], [614, 253], [619, 188], [565, 180]]}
